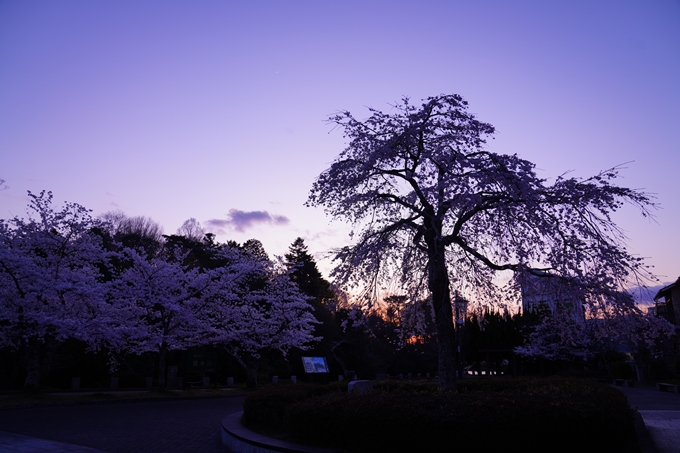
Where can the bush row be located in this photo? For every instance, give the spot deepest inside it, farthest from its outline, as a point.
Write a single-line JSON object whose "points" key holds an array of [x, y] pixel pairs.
{"points": [[266, 408], [528, 415]]}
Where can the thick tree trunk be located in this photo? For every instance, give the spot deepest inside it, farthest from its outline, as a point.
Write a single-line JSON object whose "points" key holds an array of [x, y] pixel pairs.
{"points": [[251, 373], [161, 365], [337, 358], [250, 364], [438, 283], [32, 381]]}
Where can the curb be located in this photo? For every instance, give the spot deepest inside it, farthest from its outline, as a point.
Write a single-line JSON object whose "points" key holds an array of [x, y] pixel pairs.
{"points": [[239, 439], [645, 441]]}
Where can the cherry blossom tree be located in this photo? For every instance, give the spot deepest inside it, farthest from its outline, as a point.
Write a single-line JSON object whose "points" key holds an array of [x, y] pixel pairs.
{"points": [[260, 310], [159, 304], [50, 281], [230, 297], [433, 208], [559, 335]]}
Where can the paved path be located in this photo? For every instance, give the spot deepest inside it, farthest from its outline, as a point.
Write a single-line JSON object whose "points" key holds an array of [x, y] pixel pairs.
{"points": [[661, 414], [145, 427], [18, 443]]}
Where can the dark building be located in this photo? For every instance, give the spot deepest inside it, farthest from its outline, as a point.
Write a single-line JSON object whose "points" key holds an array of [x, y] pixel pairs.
{"points": [[669, 308], [550, 292]]}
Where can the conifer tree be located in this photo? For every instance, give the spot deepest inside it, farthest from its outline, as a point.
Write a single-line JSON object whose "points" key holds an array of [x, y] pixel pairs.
{"points": [[305, 273]]}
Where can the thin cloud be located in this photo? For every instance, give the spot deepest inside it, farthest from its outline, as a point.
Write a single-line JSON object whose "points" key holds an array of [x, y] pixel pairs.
{"points": [[243, 220]]}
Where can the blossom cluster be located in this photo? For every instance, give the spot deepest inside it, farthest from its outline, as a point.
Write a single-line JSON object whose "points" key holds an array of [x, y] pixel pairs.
{"points": [[63, 275]]}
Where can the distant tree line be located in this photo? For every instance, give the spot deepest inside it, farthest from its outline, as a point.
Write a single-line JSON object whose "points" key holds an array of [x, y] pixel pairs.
{"points": [[114, 296]]}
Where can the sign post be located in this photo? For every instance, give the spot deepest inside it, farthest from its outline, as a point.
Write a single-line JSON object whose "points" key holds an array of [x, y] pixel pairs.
{"points": [[315, 365]]}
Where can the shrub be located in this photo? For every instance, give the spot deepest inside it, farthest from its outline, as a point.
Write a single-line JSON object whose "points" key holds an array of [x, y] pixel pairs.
{"points": [[528, 415], [403, 386], [266, 407]]}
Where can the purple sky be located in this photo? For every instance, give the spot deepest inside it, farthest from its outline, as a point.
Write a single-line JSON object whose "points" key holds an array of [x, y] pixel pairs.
{"points": [[215, 110]]}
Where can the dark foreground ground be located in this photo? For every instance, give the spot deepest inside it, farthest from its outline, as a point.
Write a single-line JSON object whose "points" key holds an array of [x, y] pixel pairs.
{"points": [[174, 426], [142, 427]]}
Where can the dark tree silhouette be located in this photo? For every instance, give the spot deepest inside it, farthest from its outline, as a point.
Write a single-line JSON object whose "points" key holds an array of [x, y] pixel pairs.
{"points": [[139, 232], [304, 272], [432, 206]]}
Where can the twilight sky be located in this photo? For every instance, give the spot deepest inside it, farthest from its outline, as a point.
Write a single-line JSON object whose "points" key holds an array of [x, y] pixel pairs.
{"points": [[215, 110]]}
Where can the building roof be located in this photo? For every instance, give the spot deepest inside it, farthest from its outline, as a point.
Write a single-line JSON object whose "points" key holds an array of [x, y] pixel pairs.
{"points": [[666, 290]]}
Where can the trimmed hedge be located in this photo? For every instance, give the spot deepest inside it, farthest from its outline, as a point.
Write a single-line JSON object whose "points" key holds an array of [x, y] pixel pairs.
{"points": [[266, 408], [528, 415]]}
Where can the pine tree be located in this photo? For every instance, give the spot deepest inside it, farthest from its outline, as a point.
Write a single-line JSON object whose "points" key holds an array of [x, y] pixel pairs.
{"points": [[304, 272], [306, 275]]}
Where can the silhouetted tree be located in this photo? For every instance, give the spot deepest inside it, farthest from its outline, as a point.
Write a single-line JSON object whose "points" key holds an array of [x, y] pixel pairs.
{"points": [[305, 273], [255, 249], [191, 229], [140, 233], [432, 206]]}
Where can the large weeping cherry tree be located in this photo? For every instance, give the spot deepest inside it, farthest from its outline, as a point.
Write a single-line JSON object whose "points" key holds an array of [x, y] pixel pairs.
{"points": [[435, 209]]}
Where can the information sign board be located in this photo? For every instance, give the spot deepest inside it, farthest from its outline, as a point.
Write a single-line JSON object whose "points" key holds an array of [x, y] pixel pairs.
{"points": [[202, 362], [315, 364]]}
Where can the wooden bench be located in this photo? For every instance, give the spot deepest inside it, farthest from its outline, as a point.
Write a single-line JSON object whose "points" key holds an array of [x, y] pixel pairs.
{"points": [[663, 387]]}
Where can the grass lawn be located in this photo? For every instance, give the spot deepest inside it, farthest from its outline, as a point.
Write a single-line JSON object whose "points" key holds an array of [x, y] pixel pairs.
{"points": [[50, 398]]}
